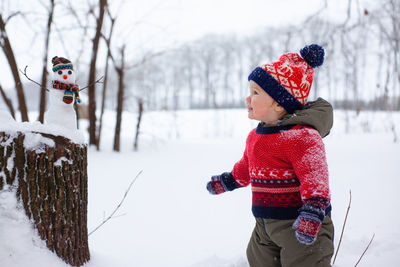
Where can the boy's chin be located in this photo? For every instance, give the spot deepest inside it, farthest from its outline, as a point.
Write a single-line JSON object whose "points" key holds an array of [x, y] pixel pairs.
{"points": [[251, 116]]}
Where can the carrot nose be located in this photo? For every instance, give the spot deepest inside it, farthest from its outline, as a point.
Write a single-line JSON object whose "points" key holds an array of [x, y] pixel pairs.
{"points": [[65, 77]]}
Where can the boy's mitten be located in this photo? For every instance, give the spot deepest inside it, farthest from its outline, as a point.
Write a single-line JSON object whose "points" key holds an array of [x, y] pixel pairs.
{"points": [[309, 221], [221, 183]]}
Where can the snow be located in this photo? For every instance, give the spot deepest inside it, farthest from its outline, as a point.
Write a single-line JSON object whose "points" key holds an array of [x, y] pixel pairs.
{"points": [[35, 141], [32, 140], [61, 160], [169, 219], [20, 244]]}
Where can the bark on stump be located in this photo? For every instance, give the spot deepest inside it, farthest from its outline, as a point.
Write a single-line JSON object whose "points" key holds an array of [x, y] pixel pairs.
{"points": [[52, 186]]}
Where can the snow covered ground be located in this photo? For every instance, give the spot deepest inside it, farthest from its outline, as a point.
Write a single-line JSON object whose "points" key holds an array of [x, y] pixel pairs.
{"points": [[169, 219]]}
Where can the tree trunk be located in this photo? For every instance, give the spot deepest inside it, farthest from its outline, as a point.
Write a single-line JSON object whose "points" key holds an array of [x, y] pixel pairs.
{"points": [[42, 106], [120, 105], [92, 74], [5, 44], [51, 183], [8, 102], [104, 93], [140, 113]]}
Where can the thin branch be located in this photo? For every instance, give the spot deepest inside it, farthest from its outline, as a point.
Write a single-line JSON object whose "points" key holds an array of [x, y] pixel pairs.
{"points": [[365, 250], [316, 14], [344, 225], [348, 14], [61, 39], [97, 81], [84, 26], [108, 40], [118, 206], [8, 102], [44, 5], [26, 75], [12, 15]]}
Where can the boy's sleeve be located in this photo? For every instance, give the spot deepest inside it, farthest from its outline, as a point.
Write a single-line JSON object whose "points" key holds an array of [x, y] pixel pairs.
{"points": [[228, 181], [308, 158], [240, 170]]}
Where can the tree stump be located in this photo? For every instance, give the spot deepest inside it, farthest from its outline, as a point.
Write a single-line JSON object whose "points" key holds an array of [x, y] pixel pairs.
{"points": [[51, 182]]}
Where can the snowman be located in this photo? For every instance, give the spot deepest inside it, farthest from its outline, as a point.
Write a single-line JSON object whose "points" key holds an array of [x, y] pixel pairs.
{"points": [[63, 93]]}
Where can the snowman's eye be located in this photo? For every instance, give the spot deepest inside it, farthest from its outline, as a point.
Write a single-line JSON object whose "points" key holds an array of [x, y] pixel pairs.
{"points": [[59, 72], [69, 72]]}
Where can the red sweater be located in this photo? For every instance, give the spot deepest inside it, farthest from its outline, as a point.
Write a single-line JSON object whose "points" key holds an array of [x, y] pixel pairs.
{"points": [[285, 165]]}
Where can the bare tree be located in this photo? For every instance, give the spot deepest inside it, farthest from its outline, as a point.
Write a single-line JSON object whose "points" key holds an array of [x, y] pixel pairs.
{"points": [[104, 92], [92, 73], [388, 21], [42, 105], [8, 51], [120, 69], [207, 55], [139, 120]]}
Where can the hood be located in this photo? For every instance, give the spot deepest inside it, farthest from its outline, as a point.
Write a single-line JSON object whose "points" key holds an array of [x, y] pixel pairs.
{"points": [[317, 114]]}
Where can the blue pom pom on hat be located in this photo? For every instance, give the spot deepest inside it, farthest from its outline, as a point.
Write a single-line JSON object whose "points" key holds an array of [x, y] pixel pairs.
{"points": [[313, 54], [288, 81]]}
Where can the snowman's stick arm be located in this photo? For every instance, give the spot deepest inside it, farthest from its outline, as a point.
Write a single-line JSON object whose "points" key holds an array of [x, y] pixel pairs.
{"points": [[26, 75], [98, 81]]}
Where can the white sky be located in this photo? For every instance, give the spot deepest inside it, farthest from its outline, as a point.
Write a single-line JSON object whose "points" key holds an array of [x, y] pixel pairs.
{"points": [[190, 19], [157, 23]]}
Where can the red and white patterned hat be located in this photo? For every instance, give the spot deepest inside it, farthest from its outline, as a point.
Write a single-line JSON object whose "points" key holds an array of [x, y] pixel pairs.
{"points": [[289, 79]]}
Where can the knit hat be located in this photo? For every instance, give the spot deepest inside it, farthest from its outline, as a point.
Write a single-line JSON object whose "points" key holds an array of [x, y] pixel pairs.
{"points": [[288, 81], [61, 63]]}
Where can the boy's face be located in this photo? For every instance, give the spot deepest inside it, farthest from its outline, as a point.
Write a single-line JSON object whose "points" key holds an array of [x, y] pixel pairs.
{"points": [[261, 106]]}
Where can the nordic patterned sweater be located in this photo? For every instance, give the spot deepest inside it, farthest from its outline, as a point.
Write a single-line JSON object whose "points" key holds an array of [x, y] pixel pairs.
{"points": [[285, 166]]}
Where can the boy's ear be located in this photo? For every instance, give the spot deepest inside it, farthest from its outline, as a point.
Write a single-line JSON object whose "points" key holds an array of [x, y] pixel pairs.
{"points": [[278, 108]]}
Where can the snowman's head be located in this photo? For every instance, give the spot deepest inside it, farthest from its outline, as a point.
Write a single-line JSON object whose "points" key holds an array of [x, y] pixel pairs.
{"points": [[65, 76], [63, 70]]}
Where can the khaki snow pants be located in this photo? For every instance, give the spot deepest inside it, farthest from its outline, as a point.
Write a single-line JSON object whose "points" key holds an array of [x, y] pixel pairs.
{"points": [[274, 244]]}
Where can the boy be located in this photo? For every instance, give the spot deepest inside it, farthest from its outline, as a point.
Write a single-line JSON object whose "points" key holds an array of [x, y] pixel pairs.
{"points": [[285, 163]]}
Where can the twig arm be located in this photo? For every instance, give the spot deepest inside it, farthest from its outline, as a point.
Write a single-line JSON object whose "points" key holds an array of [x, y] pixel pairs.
{"points": [[26, 75], [97, 81]]}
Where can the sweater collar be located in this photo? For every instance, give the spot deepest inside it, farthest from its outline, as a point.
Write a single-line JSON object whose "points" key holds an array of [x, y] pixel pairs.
{"points": [[262, 129]]}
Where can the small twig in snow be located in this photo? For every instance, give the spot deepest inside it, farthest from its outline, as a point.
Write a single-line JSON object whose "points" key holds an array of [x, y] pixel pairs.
{"points": [[344, 225], [118, 206], [365, 250], [117, 216]]}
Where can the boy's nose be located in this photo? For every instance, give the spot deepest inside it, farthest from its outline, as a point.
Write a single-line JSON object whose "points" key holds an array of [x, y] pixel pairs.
{"points": [[65, 77]]}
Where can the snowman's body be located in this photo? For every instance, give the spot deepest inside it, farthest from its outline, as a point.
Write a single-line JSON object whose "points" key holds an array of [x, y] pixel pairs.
{"points": [[59, 112]]}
